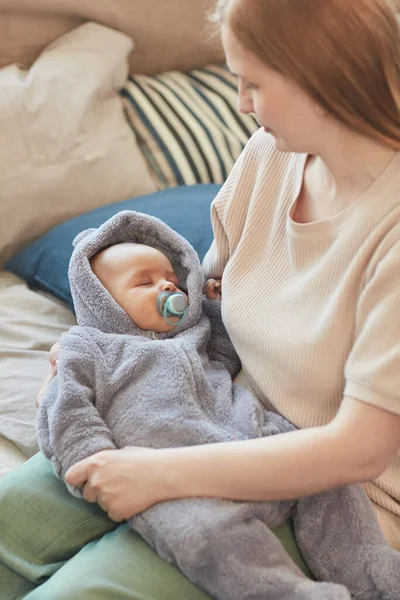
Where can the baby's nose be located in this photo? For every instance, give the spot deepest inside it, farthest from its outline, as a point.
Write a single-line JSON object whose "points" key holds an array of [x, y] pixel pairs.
{"points": [[168, 286]]}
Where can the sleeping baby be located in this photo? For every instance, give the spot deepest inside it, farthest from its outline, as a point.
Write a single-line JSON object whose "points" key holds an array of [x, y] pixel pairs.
{"points": [[150, 364]]}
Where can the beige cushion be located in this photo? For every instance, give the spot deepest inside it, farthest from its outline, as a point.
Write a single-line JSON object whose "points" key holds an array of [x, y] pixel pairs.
{"points": [[169, 34], [65, 144]]}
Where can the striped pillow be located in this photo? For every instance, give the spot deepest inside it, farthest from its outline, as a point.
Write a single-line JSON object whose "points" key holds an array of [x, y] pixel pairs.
{"points": [[187, 124]]}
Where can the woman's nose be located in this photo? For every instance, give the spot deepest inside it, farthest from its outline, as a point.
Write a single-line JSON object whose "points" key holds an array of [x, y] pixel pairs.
{"points": [[244, 100], [245, 104]]}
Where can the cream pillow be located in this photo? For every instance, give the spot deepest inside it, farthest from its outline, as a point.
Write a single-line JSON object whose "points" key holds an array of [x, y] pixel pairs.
{"points": [[65, 144]]}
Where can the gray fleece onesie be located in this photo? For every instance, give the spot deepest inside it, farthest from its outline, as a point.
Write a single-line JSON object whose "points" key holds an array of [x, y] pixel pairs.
{"points": [[119, 386]]}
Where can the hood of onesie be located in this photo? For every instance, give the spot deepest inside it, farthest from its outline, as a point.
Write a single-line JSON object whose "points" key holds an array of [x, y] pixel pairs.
{"points": [[94, 305]]}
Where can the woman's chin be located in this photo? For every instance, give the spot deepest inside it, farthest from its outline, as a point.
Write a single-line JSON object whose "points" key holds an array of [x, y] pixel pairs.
{"points": [[281, 144]]}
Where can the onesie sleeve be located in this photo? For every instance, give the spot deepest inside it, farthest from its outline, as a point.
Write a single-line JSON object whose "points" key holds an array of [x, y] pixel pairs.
{"points": [[69, 425], [220, 347], [372, 371]]}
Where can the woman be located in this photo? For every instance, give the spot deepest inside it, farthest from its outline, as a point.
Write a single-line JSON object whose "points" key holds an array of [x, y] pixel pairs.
{"points": [[307, 242]]}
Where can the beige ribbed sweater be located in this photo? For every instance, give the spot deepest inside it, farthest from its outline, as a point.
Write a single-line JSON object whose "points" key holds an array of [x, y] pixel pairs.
{"points": [[313, 309]]}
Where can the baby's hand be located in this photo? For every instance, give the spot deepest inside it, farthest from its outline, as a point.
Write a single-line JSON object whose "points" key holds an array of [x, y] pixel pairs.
{"points": [[214, 289]]}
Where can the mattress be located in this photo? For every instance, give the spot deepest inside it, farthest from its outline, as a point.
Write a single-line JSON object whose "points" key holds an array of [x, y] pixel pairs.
{"points": [[10, 456], [30, 323]]}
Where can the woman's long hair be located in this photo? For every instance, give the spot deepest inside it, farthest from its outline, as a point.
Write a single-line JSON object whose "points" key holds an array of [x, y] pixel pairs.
{"points": [[344, 53]]}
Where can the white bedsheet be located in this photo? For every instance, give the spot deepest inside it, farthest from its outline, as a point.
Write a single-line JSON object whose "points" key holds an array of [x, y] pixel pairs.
{"points": [[10, 456], [30, 322]]}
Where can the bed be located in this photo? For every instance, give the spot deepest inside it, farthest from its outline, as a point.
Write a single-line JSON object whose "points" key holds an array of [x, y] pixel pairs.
{"points": [[89, 127]]}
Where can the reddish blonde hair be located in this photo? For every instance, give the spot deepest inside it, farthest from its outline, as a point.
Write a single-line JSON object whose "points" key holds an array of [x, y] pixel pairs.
{"points": [[344, 53]]}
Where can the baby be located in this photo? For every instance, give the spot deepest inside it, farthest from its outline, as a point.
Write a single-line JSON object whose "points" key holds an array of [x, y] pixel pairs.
{"points": [[150, 364], [136, 275]]}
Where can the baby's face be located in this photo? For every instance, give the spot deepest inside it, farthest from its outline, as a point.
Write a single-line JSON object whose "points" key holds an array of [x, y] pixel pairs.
{"points": [[135, 274]]}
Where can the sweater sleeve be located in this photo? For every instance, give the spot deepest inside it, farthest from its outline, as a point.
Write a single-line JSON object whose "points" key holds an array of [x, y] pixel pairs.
{"points": [[373, 366], [230, 207], [69, 425]]}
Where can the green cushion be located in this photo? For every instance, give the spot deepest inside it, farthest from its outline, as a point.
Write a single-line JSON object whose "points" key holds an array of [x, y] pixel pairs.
{"points": [[286, 535]]}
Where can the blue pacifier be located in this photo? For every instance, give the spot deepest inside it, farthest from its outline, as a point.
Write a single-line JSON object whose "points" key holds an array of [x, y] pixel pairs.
{"points": [[172, 304]]}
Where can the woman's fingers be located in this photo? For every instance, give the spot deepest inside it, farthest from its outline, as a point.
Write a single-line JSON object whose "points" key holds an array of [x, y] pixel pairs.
{"points": [[213, 289], [112, 512], [218, 289], [90, 494], [45, 383], [53, 360], [110, 478], [54, 356], [114, 517], [78, 474]]}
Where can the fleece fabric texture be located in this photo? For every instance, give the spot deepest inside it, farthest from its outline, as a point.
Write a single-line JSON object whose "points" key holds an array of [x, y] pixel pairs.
{"points": [[117, 386]]}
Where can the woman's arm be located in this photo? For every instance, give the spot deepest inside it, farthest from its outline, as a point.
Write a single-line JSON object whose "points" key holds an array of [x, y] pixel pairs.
{"points": [[356, 446]]}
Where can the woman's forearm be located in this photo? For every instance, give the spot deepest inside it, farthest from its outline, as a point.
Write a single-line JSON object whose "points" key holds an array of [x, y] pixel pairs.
{"points": [[356, 446], [280, 467]]}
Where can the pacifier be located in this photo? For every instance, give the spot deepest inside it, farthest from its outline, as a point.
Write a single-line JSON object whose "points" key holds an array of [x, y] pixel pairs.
{"points": [[172, 304]]}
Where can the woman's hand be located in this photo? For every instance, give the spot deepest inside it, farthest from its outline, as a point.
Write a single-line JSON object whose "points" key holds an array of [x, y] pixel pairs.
{"points": [[123, 482], [214, 289], [52, 372]]}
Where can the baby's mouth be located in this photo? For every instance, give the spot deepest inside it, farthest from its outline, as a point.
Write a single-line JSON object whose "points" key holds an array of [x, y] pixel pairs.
{"points": [[172, 306]]}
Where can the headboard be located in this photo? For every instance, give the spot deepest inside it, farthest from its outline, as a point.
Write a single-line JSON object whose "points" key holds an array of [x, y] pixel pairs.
{"points": [[168, 34]]}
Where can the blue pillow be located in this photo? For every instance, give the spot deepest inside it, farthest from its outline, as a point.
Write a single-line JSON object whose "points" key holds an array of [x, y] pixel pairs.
{"points": [[44, 263]]}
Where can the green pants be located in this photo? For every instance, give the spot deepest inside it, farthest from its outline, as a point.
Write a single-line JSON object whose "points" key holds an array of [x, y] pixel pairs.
{"points": [[55, 547]]}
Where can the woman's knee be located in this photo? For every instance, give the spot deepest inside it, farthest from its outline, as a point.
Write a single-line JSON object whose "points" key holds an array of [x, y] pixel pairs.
{"points": [[28, 478], [119, 566], [41, 523]]}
